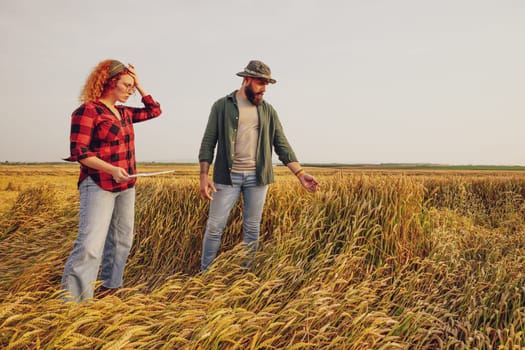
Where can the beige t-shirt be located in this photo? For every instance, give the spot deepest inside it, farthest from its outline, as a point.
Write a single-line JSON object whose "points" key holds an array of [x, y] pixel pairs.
{"points": [[247, 137]]}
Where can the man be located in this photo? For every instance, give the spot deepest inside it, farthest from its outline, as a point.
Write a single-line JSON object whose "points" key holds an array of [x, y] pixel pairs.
{"points": [[245, 128]]}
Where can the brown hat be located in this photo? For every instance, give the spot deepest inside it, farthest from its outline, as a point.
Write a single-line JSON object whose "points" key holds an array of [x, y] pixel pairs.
{"points": [[257, 69]]}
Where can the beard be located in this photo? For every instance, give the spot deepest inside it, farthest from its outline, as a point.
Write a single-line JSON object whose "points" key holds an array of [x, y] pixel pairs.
{"points": [[253, 97]]}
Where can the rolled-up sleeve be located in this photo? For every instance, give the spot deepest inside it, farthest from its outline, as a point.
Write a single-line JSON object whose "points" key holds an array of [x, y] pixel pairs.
{"points": [[82, 122], [151, 110]]}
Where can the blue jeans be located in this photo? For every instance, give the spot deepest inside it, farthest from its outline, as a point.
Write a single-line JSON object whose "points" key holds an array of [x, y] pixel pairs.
{"points": [[223, 201], [105, 235]]}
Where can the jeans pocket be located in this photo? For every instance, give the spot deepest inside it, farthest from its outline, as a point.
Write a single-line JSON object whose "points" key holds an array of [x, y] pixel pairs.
{"points": [[220, 187]]}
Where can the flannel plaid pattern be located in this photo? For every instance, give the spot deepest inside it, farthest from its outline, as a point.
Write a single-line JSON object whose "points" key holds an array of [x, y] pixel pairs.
{"points": [[96, 132]]}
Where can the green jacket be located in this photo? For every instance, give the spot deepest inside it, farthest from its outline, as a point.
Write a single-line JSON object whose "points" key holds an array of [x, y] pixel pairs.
{"points": [[221, 130]]}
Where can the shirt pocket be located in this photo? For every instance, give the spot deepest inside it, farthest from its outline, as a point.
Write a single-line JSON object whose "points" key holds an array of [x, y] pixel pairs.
{"points": [[108, 131]]}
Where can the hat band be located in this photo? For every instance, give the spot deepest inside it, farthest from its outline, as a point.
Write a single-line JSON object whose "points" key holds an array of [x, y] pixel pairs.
{"points": [[257, 73], [115, 68]]}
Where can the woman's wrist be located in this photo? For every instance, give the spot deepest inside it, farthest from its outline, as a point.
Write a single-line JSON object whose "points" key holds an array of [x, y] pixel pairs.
{"points": [[141, 90]]}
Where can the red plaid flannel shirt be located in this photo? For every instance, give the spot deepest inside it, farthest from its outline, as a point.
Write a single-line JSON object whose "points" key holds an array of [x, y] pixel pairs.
{"points": [[96, 132]]}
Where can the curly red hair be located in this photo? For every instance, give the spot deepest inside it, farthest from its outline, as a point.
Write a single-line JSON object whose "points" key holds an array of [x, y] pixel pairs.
{"points": [[98, 83]]}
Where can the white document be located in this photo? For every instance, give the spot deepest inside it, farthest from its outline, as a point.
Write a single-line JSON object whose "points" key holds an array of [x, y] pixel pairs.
{"points": [[152, 174]]}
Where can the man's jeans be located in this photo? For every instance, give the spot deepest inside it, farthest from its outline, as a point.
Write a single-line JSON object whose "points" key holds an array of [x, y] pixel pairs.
{"points": [[223, 201], [105, 233]]}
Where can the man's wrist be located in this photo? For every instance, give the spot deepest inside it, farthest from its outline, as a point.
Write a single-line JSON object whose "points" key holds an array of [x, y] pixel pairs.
{"points": [[299, 172]]}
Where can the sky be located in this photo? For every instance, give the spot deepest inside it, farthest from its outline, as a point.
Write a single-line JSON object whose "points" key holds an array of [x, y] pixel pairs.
{"points": [[375, 81]]}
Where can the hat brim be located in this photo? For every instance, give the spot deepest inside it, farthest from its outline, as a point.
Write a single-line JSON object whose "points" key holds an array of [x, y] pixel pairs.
{"points": [[245, 74]]}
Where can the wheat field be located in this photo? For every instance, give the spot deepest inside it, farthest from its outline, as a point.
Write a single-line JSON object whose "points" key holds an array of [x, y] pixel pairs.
{"points": [[374, 260]]}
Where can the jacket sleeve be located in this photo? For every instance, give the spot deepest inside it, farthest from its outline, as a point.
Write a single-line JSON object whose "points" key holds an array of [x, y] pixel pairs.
{"points": [[280, 143], [209, 140]]}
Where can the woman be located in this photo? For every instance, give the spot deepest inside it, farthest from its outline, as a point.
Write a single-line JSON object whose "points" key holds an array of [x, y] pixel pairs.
{"points": [[102, 141]]}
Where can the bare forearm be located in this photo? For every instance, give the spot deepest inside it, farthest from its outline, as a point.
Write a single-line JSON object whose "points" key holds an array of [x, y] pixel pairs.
{"points": [[118, 174], [98, 164], [204, 168], [206, 186], [141, 90], [294, 167]]}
